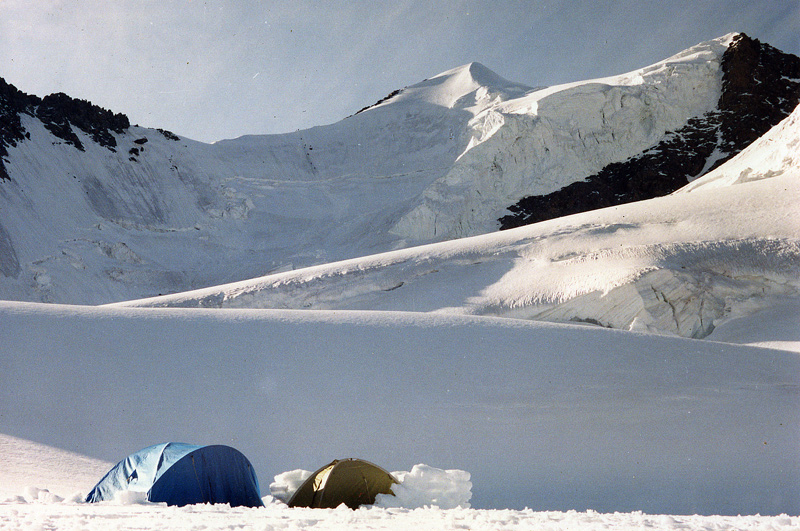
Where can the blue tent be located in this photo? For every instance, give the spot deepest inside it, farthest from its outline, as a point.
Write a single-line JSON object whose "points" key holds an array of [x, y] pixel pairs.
{"points": [[183, 474]]}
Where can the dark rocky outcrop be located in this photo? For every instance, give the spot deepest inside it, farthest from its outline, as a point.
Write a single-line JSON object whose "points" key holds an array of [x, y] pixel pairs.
{"points": [[60, 114], [760, 87], [13, 102], [382, 100], [169, 135], [59, 111]]}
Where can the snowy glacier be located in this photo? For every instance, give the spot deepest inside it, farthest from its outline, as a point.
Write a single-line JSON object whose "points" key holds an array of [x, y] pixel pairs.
{"points": [[341, 292]]}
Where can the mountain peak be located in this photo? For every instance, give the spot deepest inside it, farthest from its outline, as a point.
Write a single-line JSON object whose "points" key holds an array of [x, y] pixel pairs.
{"points": [[463, 87], [480, 74]]}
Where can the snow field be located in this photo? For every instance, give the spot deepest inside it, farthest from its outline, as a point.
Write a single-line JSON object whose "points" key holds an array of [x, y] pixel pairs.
{"points": [[682, 264], [540, 415], [110, 517], [28, 469]]}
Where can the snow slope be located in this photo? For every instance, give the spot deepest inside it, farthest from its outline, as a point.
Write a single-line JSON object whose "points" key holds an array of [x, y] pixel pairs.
{"points": [[682, 264], [440, 159], [105, 226], [775, 153], [540, 142], [38, 472], [545, 416]]}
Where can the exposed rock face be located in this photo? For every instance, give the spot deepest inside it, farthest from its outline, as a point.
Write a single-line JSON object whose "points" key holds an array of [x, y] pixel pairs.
{"points": [[12, 103], [382, 100], [169, 135], [760, 87], [60, 114]]}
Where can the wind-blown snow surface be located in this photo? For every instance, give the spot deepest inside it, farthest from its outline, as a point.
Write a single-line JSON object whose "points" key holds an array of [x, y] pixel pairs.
{"points": [[162, 216], [545, 416], [113, 517]]}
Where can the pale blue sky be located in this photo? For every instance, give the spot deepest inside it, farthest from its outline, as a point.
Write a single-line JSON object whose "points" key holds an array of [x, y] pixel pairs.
{"points": [[223, 68]]}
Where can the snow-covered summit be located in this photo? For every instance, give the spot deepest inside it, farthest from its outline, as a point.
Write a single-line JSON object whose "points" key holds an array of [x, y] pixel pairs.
{"points": [[590, 144], [759, 87], [468, 86]]}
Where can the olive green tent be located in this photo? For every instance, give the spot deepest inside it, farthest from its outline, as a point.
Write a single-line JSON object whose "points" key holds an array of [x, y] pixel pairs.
{"points": [[352, 482]]}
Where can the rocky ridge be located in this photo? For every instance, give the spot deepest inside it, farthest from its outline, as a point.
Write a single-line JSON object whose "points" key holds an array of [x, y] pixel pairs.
{"points": [[59, 113]]}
